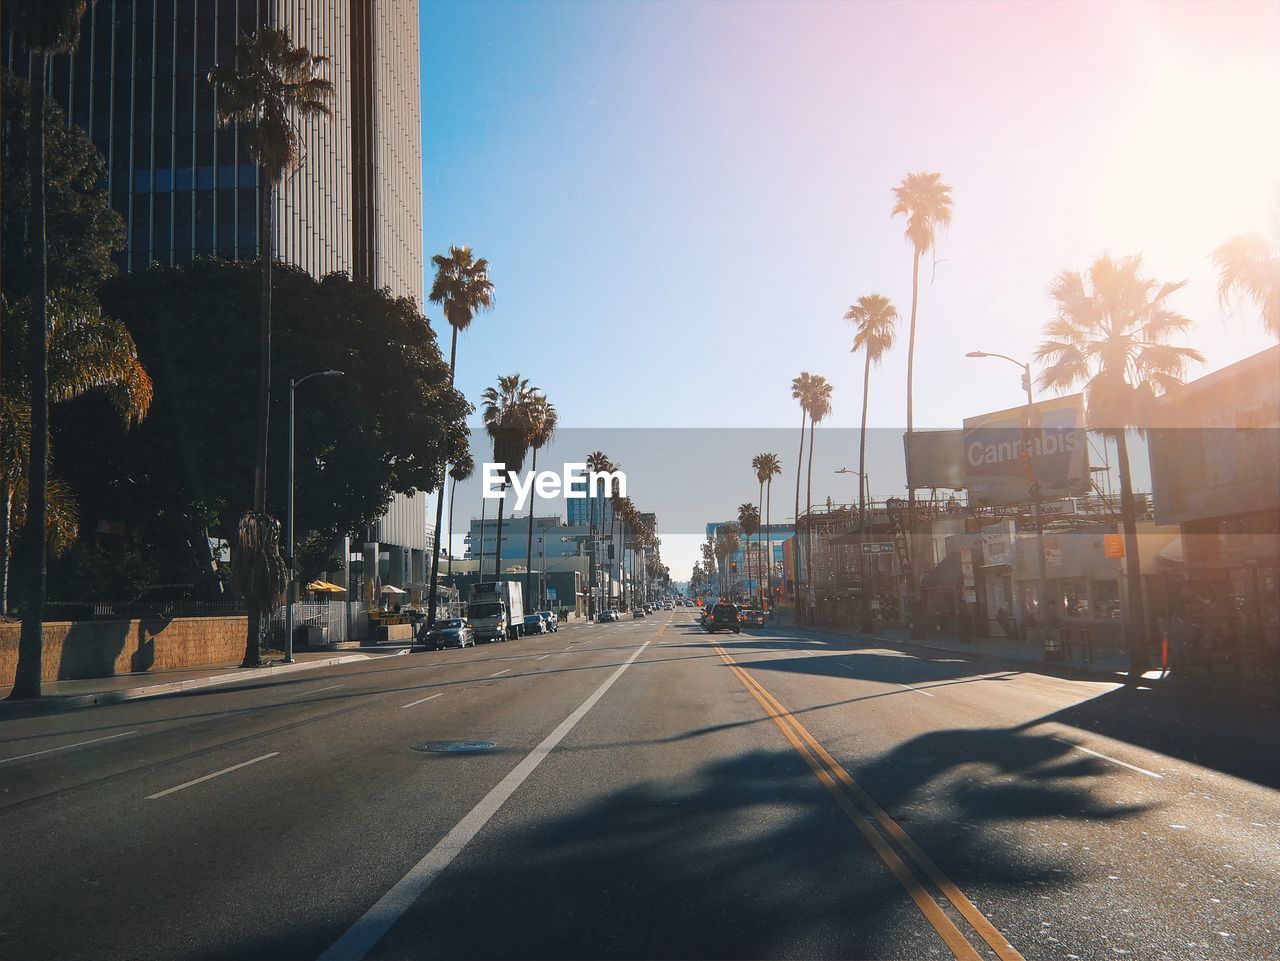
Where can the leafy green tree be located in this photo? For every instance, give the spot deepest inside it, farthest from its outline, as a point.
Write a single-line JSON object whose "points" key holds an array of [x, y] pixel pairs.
{"points": [[46, 28], [463, 289], [184, 474], [1111, 335], [270, 83]]}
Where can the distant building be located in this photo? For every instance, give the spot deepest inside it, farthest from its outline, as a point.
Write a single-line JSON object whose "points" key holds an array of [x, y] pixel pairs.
{"points": [[580, 510]]}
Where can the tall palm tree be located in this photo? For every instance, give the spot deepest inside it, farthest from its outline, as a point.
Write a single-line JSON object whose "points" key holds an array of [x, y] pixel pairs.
{"points": [[506, 419], [802, 393], [749, 522], [1111, 335], [926, 203], [1249, 264], [264, 90], [459, 471], [542, 427], [767, 467], [875, 319], [819, 410], [85, 352], [727, 541], [596, 461], [47, 28], [463, 289]]}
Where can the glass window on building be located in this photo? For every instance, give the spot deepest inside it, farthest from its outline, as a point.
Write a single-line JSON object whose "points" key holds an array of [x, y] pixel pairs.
{"points": [[1106, 599], [1075, 598]]}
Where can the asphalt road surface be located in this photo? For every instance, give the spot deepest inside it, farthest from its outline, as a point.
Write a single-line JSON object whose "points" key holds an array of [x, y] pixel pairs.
{"points": [[645, 790]]}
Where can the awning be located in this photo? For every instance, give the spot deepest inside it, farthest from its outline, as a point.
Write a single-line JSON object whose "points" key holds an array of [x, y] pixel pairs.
{"points": [[324, 587], [945, 576], [392, 589]]}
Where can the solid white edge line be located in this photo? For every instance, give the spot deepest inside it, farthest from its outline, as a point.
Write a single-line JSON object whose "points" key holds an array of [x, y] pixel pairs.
{"points": [[207, 777], [423, 700], [369, 929], [501, 672], [910, 688], [1106, 757], [543, 658], [65, 747], [331, 687]]}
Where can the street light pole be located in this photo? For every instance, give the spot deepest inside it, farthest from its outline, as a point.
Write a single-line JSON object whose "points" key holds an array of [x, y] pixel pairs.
{"points": [[1036, 505], [288, 588]]}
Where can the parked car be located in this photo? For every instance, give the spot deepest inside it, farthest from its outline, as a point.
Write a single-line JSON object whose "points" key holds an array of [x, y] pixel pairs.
{"points": [[637, 613], [724, 617], [553, 623], [534, 624], [453, 632], [607, 617]]}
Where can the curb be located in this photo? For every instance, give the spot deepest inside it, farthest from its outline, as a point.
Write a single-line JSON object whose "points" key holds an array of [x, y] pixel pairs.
{"points": [[55, 703]]}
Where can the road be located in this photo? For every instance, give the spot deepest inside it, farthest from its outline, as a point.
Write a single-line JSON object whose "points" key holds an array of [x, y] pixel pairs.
{"points": [[650, 792]]}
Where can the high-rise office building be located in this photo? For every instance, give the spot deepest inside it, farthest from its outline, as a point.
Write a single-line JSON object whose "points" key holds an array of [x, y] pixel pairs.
{"points": [[137, 83]]}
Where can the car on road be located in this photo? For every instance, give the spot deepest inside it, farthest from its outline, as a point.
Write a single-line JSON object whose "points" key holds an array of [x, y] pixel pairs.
{"points": [[607, 617], [752, 618], [703, 616], [453, 632], [637, 614], [724, 617], [534, 624], [553, 622]]}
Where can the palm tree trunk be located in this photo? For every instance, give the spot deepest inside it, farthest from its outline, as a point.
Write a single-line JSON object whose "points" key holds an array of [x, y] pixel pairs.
{"points": [[591, 559], [1135, 622], [30, 669], [483, 505], [533, 497], [795, 554], [769, 559], [6, 521], [862, 492], [497, 546], [432, 588], [808, 506], [917, 629], [760, 552]]}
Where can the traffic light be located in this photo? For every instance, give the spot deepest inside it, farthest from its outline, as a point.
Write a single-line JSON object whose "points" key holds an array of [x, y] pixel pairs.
{"points": [[733, 566]]}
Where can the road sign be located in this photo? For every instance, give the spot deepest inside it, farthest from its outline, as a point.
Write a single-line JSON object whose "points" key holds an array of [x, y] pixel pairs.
{"points": [[551, 593], [878, 547]]}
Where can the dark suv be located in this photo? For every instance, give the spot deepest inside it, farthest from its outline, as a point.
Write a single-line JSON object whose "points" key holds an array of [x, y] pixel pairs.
{"points": [[724, 617]]}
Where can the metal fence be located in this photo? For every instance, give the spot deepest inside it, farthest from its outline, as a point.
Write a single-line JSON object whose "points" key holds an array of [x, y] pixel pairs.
{"points": [[179, 608], [338, 621]]}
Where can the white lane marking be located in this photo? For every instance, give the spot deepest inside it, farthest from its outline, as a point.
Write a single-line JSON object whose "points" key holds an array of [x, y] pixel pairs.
{"points": [[808, 654], [916, 689], [199, 780], [500, 673], [543, 658], [423, 700], [362, 936], [65, 747], [331, 687], [1107, 757]]}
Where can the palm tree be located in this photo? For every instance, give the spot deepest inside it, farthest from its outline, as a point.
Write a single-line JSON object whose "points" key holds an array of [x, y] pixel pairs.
{"points": [[85, 352], [767, 467], [1249, 264], [875, 318], [596, 461], [802, 392], [269, 84], [1111, 334], [506, 419], [48, 27], [727, 541], [542, 427], [926, 203], [819, 410], [749, 522], [459, 471], [462, 288]]}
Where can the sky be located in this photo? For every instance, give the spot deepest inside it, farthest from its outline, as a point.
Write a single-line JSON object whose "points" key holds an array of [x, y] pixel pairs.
{"points": [[679, 201]]}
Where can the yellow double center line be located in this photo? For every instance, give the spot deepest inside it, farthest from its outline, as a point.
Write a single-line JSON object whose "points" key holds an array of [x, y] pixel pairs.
{"points": [[865, 814]]}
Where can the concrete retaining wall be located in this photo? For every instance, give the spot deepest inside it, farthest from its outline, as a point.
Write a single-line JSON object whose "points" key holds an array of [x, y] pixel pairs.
{"points": [[83, 649]]}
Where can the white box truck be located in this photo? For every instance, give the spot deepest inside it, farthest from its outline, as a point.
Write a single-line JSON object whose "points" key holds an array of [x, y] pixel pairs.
{"points": [[496, 611]]}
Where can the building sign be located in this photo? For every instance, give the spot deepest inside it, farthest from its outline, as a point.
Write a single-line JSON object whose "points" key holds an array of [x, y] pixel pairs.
{"points": [[997, 452], [966, 566], [970, 596], [998, 543], [878, 547], [1113, 545]]}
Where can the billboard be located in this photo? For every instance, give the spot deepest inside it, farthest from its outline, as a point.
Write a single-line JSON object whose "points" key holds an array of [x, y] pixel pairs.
{"points": [[995, 451], [935, 458]]}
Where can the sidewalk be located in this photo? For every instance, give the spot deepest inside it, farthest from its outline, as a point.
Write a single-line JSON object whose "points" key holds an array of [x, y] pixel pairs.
{"points": [[90, 692]]}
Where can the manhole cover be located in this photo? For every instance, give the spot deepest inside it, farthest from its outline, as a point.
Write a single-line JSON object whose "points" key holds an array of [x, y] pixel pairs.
{"points": [[455, 747]]}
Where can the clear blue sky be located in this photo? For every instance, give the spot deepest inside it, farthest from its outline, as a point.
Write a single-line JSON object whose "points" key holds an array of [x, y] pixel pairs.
{"points": [[680, 200]]}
